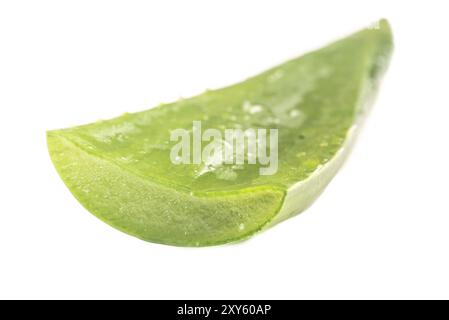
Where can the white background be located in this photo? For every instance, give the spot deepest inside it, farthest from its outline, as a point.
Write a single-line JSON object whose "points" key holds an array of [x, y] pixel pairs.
{"points": [[380, 230]]}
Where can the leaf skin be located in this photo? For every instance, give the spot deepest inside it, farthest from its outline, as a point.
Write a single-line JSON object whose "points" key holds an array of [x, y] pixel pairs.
{"points": [[120, 169]]}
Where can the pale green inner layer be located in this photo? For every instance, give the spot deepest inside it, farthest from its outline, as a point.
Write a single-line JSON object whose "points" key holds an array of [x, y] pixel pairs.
{"points": [[157, 213]]}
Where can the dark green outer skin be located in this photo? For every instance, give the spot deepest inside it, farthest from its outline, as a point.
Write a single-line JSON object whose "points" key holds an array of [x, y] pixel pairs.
{"points": [[120, 169]]}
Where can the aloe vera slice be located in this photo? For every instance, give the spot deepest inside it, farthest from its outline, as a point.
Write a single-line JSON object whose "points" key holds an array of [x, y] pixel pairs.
{"points": [[120, 169]]}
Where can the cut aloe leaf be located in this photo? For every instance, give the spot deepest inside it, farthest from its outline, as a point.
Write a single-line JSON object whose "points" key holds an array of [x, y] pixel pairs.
{"points": [[121, 170]]}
